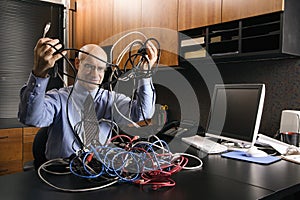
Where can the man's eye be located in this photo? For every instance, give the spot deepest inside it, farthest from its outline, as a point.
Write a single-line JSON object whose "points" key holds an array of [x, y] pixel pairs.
{"points": [[89, 66], [100, 69]]}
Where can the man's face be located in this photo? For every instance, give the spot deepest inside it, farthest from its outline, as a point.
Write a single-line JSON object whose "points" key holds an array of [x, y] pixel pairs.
{"points": [[92, 71]]}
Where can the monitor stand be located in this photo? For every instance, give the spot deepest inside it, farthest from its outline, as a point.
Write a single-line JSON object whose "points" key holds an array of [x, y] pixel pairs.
{"points": [[235, 146]]}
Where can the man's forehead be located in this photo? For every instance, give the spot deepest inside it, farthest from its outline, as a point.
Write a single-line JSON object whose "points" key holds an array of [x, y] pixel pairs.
{"points": [[92, 60], [93, 54]]}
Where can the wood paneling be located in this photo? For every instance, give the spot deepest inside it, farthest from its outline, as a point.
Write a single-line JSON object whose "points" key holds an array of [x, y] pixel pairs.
{"points": [[11, 144], [93, 22], [198, 13], [28, 137], [238, 9], [10, 150], [127, 15], [158, 13], [120, 17], [159, 19], [10, 167], [15, 148]]}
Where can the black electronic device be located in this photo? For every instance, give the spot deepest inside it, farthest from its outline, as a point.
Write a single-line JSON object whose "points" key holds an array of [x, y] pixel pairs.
{"points": [[235, 113]]}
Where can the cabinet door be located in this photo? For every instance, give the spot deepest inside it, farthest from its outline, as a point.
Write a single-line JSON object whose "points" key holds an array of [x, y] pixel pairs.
{"points": [[28, 137], [198, 13], [11, 144], [127, 17], [93, 22], [159, 20], [10, 150], [238, 9]]}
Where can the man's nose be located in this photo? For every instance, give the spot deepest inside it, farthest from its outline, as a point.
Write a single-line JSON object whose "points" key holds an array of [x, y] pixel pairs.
{"points": [[94, 71]]}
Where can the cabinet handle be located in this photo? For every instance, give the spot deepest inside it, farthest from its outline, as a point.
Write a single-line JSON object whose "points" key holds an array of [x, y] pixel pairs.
{"points": [[3, 137]]}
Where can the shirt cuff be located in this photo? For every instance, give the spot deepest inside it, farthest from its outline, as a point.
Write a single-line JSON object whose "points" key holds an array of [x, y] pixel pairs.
{"points": [[37, 84]]}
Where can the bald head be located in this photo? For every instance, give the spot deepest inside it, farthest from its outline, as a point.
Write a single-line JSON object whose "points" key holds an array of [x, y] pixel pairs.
{"points": [[90, 69], [93, 49]]}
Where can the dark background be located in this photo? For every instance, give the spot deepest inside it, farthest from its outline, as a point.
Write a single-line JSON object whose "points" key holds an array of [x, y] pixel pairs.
{"points": [[280, 76], [22, 24]]}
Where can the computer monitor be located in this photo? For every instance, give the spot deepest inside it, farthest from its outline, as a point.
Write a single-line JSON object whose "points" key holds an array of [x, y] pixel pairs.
{"points": [[235, 113]]}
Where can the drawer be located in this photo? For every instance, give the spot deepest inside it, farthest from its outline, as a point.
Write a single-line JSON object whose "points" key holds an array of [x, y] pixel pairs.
{"points": [[11, 144], [10, 167], [28, 137], [29, 134]]}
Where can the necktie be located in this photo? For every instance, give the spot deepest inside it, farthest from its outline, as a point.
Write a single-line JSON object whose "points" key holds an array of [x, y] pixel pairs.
{"points": [[90, 121]]}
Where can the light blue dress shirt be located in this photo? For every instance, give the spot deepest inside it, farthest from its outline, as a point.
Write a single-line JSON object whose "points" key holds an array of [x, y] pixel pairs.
{"points": [[61, 112]]}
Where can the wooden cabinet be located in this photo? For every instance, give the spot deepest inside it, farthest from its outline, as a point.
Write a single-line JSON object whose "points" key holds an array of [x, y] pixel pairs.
{"points": [[272, 35], [198, 13], [156, 19], [96, 21], [15, 148], [28, 137], [239, 9], [159, 20], [10, 150], [127, 15], [93, 22]]}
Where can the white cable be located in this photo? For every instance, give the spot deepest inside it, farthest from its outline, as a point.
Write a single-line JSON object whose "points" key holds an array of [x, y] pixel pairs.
{"points": [[46, 29], [66, 189], [121, 38], [120, 57], [192, 156], [119, 112]]}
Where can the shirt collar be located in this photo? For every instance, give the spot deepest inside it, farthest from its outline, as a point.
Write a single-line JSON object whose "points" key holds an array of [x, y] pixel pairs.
{"points": [[83, 92]]}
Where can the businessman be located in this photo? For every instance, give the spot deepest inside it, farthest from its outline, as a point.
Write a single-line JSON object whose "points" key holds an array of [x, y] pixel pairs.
{"points": [[62, 110]]}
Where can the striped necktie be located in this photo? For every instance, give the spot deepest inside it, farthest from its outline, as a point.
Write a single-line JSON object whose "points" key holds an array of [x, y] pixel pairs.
{"points": [[90, 121]]}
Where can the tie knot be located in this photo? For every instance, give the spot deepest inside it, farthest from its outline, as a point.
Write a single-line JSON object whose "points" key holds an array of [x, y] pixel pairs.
{"points": [[88, 103]]}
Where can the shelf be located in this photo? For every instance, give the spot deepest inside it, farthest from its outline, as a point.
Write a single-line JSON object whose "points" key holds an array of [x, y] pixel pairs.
{"points": [[258, 37], [262, 43], [225, 47], [262, 20]]}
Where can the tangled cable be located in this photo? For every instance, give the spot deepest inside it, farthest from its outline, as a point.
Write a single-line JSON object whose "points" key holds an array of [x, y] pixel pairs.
{"points": [[129, 159]]}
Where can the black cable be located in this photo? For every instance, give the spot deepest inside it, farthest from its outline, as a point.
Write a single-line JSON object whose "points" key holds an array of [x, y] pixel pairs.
{"points": [[141, 53], [74, 132]]}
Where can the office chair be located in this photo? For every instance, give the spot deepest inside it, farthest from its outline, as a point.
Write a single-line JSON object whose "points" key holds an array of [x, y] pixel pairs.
{"points": [[39, 147]]}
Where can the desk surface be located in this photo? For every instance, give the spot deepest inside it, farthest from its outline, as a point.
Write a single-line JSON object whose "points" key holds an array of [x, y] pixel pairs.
{"points": [[28, 186], [10, 123], [219, 178]]}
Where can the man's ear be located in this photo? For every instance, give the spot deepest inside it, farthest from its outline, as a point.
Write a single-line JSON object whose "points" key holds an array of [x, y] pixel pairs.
{"points": [[77, 63]]}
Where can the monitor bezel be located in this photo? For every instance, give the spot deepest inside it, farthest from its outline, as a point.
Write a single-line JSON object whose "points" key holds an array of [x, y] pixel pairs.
{"points": [[260, 101]]}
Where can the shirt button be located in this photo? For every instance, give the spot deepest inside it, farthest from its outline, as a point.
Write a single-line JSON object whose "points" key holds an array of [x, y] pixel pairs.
{"points": [[38, 85]]}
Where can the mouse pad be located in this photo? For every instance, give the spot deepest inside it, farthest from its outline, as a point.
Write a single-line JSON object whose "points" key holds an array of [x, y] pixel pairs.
{"points": [[240, 155]]}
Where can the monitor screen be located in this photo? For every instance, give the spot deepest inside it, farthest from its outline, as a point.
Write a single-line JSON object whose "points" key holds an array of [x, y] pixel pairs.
{"points": [[235, 112]]}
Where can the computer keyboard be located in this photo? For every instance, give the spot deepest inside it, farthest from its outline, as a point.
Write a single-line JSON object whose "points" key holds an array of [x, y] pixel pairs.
{"points": [[205, 144], [176, 131]]}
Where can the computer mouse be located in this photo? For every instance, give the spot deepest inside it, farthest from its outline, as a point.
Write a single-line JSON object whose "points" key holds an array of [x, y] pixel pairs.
{"points": [[255, 152]]}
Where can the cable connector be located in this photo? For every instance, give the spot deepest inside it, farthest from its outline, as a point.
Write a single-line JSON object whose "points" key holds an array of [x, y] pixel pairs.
{"points": [[90, 157], [46, 29]]}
